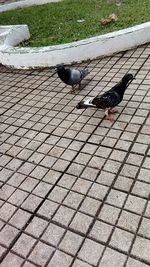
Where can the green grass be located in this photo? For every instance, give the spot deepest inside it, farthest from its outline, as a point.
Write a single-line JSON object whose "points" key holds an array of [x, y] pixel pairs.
{"points": [[56, 23]]}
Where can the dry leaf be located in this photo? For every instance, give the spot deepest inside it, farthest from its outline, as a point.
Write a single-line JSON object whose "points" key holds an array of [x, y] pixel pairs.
{"points": [[109, 19]]}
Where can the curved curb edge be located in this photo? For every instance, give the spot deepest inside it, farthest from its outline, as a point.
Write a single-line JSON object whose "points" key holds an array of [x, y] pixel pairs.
{"points": [[25, 3], [91, 48]]}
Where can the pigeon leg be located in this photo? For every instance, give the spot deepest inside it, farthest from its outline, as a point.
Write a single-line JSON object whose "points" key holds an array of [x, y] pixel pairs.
{"points": [[109, 115], [73, 89], [79, 85], [113, 111]]}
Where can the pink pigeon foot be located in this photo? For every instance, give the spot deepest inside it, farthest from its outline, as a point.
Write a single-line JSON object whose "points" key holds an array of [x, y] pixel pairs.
{"points": [[110, 117]]}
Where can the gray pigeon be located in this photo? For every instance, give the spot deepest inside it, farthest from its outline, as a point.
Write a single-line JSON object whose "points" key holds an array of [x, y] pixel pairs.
{"points": [[71, 76], [109, 99]]}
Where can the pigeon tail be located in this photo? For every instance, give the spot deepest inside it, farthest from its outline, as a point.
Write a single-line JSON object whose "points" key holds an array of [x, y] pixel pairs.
{"points": [[85, 104]]}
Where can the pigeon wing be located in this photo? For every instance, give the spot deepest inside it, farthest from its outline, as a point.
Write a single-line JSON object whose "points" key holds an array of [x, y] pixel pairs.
{"points": [[107, 100], [75, 77]]}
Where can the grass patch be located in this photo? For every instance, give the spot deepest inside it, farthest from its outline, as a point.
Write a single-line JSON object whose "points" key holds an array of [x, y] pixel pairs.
{"points": [[56, 23]]}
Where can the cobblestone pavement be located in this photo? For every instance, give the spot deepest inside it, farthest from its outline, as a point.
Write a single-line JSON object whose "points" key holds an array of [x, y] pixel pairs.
{"points": [[74, 188]]}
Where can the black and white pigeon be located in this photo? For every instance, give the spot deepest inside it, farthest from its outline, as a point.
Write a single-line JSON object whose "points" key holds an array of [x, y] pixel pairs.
{"points": [[109, 99], [71, 76]]}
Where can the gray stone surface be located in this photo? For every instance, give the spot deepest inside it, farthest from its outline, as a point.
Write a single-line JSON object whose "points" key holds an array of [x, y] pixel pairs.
{"points": [[74, 188]]}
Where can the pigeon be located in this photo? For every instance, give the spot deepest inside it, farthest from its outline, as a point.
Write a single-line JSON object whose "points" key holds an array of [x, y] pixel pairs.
{"points": [[109, 99], [71, 76]]}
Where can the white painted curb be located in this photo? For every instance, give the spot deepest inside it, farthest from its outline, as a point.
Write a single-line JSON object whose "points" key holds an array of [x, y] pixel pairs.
{"points": [[24, 3], [90, 48], [12, 35]]}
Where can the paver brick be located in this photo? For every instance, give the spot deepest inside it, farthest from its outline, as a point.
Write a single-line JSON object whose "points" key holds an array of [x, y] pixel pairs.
{"points": [[36, 226], [64, 215], [23, 245], [71, 181], [41, 253], [112, 258], [7, 235], [101, 231], [109, 214], [71, 242], [60, 259], [135, 204], [135, 263], [91, 251], [121, 239], [12, 259], [140, 248], [81, 222]]}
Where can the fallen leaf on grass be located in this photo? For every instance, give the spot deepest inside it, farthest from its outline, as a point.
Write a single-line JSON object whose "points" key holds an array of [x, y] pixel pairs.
{"points": [[109, 19]]}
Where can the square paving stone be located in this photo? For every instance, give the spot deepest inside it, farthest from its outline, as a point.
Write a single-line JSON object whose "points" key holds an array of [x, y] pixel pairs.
{"points": [[91, 252], [71, 242], [105, 178], [123, 183], [81, 222], [121, 239], [141, 189], [135, 263], [73, 199], [112, 258], [79, 263], [41, 253], [20, 218], [64, 215], [135, 204], [53, 234], [48, 208], [128, 221], [81, 186], [60, 259], [90, 206], [23, 245], [36, 226], [109, 214], [12, 259], [101, 231], [116, 198], [140, 248], [31, 203], [6, 211], [7, 235], [144, 228], [98, 191]]}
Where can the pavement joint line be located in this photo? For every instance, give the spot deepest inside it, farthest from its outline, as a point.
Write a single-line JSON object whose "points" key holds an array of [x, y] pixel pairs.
{"points": [[26, 95], [56, 104], [81, 234], [115, 189], [17, 129], [139, 224], [83, 199], [111, 186], [122, 208], [30, 219]]}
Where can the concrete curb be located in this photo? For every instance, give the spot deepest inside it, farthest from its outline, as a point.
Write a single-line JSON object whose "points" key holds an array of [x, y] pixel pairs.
{"points": [[90, 48], [13, 35], [25, 3]]}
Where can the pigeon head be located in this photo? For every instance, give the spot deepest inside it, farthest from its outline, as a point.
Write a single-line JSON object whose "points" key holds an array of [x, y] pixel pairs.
{"points": [[59, 67], [127, 79]]}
